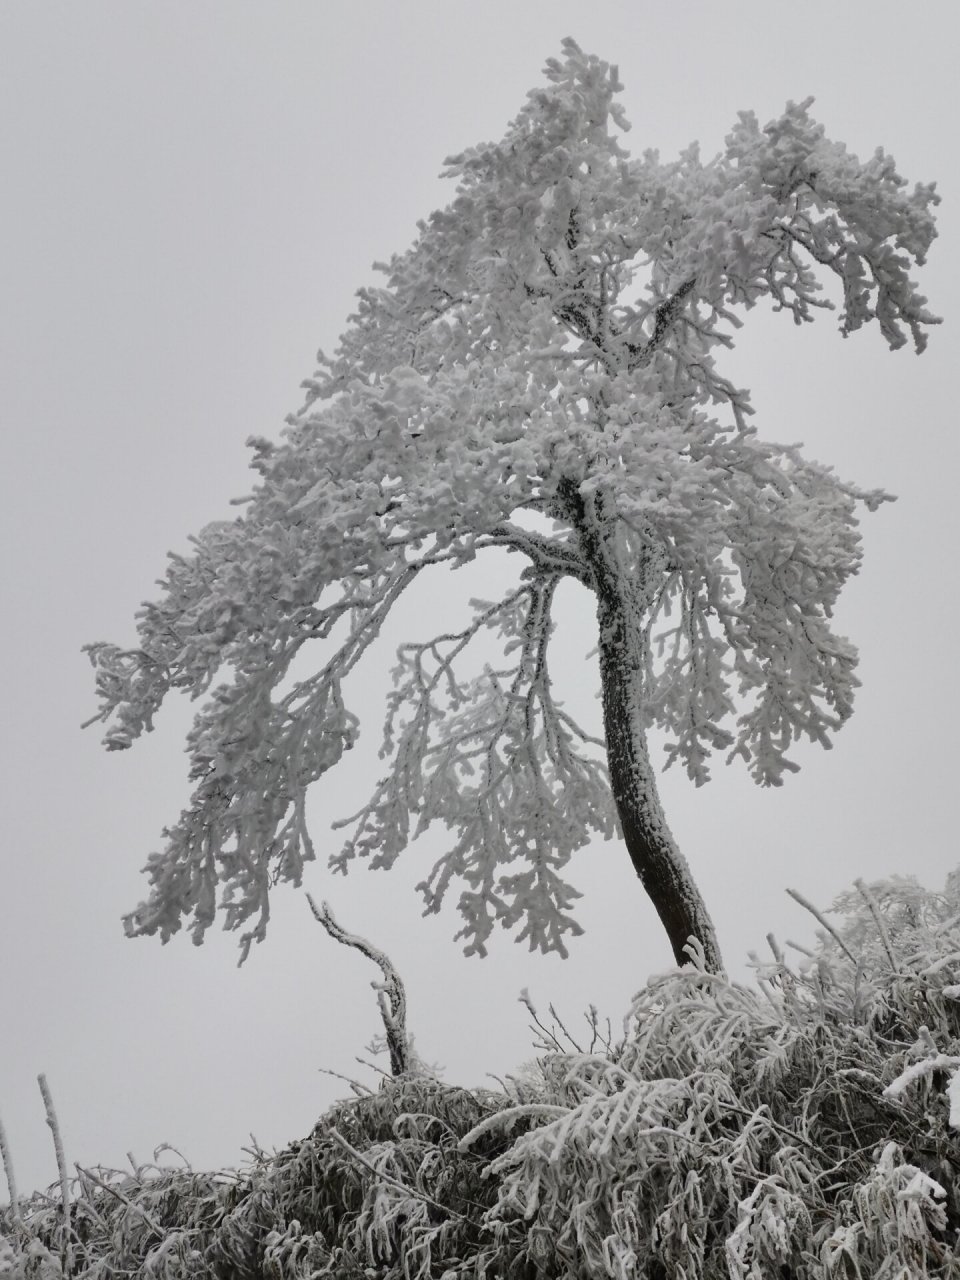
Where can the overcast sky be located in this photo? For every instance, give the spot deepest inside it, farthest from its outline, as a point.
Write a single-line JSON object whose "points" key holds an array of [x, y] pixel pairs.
{"points": [[191, 195]]}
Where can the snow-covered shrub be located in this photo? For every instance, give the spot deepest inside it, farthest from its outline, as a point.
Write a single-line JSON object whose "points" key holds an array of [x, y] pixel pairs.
{"points": [[805, 1126]]}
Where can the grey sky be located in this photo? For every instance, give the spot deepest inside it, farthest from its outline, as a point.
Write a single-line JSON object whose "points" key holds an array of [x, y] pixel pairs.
{"points": [[192, 193]]}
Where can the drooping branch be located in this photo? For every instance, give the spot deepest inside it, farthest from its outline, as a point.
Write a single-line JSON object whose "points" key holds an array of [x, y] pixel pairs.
{"points": [[496, 760], [253, 759]]}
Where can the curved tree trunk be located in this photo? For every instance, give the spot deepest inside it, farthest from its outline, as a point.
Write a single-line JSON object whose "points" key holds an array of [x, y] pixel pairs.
{"points": [[622, 600], [662, 868]]}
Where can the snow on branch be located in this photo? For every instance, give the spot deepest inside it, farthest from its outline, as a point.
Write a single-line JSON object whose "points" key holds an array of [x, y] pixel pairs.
{"points": [[539, 371], [497, 760], [391, 995]]}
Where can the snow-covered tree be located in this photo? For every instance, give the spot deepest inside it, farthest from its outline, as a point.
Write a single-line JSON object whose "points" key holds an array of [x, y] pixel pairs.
{"points": [[537, 374]]}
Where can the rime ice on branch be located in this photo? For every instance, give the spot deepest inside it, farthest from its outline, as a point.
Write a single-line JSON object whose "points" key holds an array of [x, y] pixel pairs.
{"points": [[537, 373]]}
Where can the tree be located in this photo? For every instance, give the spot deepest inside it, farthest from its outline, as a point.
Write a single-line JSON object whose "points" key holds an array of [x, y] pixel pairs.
{"points": [[537, 374]]}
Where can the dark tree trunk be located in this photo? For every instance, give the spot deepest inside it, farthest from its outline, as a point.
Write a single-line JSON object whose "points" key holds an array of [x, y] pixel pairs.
{"points": [[662, 868], [623, 598]]}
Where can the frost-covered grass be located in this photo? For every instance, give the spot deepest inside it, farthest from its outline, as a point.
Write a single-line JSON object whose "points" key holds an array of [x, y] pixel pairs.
{"points": [[800, 1127]]}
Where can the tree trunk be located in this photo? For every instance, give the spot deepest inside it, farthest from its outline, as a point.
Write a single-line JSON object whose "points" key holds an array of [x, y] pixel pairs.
{"points": [[623, 598], [662, 868]]}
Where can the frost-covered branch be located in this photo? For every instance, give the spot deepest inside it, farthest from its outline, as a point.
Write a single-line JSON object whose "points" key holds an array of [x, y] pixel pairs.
{"points": [[549, 346], [66, 1245], [391, 995], [6, 1158], [495, 759]]}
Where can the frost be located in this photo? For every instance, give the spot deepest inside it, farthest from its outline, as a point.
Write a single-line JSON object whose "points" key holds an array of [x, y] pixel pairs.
{"points": [[732, 1130], [544, 356], [918, 1071]]}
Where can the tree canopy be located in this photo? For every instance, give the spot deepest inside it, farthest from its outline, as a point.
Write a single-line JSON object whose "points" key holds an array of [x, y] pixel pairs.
{"points": [[537, 373]]}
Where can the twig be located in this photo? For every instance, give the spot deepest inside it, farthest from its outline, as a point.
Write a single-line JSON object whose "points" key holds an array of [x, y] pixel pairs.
{"points": [[818, 915], [67, 1252], [877, 920], [803, 950], [11, 1178], [125, 1200], [524, 999], [255, 1151], [593, 1021], [395, 1182], [373, 1047], [167, 1146], [764, 984], [559, 1021], [83, 1203], [750, 1115], [394, 1017], [361, 1090]]}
